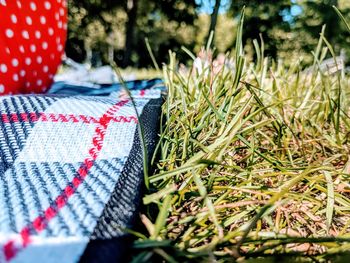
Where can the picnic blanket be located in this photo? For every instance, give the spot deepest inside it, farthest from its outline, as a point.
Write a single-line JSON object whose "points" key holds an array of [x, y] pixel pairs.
{"points": [[93, 89], [71, 174]]}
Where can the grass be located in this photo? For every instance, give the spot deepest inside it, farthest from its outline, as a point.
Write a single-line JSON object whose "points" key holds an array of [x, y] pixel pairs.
{"points": [[253, 163]]}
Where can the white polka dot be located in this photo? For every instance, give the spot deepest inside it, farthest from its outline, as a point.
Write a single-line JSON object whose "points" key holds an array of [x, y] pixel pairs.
{"points": [[58, 40], [3, 68], [14, 18], [29, 20], [45, 45], [32, 48], [59, 24], [22, 73], [57, 16], [47, 5], [25, 34], [33, 6], [43, 89], [3, 2], [39, 59], [15, 62], [21, 49], [60, 48], [35, 73], [27, 84], [51, 31], [28, 61], [39, 82], [43, 20], [65, 26], [7, 50], [37, 34], [2, 88], [45, 68], [15, 77], [61, 11], [19, 4], [9, 33]]}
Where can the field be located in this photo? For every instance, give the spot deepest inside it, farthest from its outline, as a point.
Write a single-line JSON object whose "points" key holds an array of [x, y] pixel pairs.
{"points": [[253, 162]]}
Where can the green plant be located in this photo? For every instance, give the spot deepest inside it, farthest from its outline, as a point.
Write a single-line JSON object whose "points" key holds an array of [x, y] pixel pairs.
{"points": [[254, 162]]}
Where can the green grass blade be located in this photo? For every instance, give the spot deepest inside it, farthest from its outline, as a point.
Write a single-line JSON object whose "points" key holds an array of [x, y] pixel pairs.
{"points": [[342, 18], [150, 52], [330, 199], [162, 216]]}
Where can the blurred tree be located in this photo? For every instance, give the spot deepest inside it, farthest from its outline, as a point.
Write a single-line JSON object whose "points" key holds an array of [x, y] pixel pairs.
{"points": [[314, 15], [265, 17], [94, 25], [214, 17], [88, 26], [131, 11], [225, 32], [116, 30], [168, 24]]}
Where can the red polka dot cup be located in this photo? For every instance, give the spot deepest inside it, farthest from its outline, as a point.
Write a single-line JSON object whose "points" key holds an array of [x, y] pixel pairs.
{"points": [[32, 39]]}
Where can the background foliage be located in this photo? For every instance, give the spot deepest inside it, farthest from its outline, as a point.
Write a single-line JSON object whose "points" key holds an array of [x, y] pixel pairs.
{"points": [[101, 31]]}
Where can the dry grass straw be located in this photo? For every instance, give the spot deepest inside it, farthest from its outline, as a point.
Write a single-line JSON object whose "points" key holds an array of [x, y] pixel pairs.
{"points": [[253, 162]]}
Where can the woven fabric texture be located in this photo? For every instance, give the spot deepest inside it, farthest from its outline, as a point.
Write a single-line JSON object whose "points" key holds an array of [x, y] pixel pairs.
{"points": [[109, 242], [70, 173], [87, 88]]}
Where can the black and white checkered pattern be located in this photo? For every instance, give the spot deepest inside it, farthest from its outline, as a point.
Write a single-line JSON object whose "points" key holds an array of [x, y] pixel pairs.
{"points": [[63, 163]]}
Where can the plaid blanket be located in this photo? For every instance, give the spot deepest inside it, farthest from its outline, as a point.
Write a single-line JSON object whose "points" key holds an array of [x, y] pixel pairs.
{"points": [[71, 174], [93, 89]]}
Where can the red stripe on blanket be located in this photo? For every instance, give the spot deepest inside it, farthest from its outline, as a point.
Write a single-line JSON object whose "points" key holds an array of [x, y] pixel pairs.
{"points": [[54, 117], [41, 222]]}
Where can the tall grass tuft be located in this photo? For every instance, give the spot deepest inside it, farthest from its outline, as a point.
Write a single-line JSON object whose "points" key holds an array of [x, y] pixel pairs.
{"points": [[254, 162]]}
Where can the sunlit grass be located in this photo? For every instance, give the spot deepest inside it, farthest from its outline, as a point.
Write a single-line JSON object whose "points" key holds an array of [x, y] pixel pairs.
{"points": [[254, 161]]}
